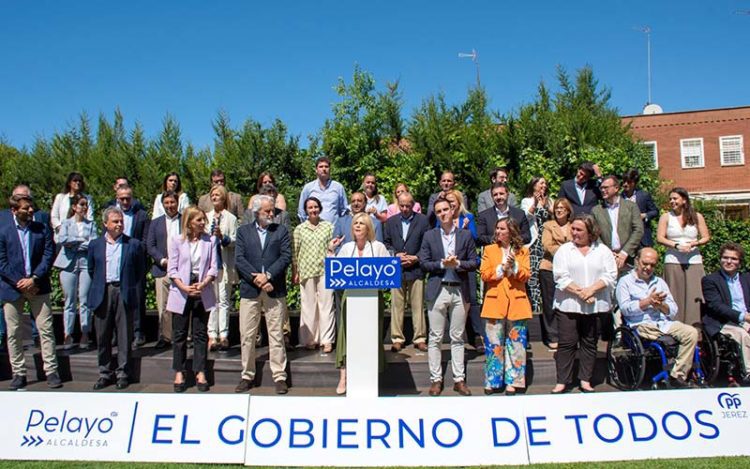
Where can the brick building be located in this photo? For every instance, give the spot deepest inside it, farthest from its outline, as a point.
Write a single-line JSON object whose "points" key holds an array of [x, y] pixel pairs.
{"points": [[703, 151]]}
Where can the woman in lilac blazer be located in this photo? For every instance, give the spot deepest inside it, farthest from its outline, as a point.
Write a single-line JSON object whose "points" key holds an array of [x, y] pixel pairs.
{"points": [[192, 267]]}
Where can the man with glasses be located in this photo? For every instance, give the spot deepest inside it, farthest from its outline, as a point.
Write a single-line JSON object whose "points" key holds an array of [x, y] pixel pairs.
{"points": [[727, 297], [620, 222], [647, 306]]}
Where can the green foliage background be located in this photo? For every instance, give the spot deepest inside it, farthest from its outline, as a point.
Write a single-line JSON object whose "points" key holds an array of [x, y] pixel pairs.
{"points": [[367, 131]]}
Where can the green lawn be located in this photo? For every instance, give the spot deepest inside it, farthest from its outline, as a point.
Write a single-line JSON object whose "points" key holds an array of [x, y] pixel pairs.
{"points": [[703, 463]]}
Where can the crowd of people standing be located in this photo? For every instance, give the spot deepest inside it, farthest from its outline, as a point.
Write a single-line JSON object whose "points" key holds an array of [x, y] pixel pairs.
{"points": [[562, 257]]}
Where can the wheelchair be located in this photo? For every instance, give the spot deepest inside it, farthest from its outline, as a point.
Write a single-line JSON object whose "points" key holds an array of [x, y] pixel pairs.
{"points": [[721, 352], [629, 356]]}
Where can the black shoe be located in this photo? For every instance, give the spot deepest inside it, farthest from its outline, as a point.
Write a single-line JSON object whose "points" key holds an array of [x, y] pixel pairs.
{"points": [[162, 343], [244, 386], [491, 391], [281, 387], [203, 387], [122, 383], [479, 344], [180, 387], [54, 381], [138, 342], [102, 383], [678, 383], [37, 342], [18, 383]]}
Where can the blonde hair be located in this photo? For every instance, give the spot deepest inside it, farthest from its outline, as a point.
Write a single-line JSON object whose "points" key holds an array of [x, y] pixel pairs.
{"points": [[188, 215], [222, 193], [365, 218], [459, 200]]}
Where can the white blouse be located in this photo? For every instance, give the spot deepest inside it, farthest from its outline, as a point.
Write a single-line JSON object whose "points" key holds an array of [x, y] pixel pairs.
{"points": [[677, 234], [372, 249], [60, 207], [571, 266], [182, 203]]}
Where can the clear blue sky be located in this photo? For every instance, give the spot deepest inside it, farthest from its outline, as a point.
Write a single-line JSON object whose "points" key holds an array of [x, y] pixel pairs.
{"points": [[265, 61]]}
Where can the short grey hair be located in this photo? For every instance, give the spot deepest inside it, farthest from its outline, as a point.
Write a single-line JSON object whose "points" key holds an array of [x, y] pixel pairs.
{"points": [[258, 201], [110, 210]]}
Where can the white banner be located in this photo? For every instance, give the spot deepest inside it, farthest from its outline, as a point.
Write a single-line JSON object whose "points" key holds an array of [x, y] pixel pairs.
{"points": [[124, 427], [401, 431]]}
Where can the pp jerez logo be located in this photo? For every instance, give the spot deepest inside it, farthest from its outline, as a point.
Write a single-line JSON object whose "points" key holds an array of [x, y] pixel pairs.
{"points": [[732, 405], [364, 273]]}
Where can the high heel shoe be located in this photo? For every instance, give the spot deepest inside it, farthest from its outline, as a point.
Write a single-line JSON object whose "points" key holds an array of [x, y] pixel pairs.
{"points": [[202, 385], [180, 387]]}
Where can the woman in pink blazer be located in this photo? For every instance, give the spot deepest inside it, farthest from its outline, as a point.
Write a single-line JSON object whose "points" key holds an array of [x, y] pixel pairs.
{"points": [[192, 267]]}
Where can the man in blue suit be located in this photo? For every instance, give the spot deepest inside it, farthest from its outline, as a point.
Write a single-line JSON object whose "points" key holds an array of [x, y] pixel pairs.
{"points": [[449, 255], [262, 254], [583, 190], [160, 233], [26, 255], [647, 207], [116, 263]]}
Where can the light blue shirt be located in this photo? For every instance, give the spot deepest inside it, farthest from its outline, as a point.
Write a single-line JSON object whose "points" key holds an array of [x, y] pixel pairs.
{"points": [[24, 236], [405, 223], [127, 221], [631, 290], [332, 197], [735, 291], [114, 258], [262, 232]]}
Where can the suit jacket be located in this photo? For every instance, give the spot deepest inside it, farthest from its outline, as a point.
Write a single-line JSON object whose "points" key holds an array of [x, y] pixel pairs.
{"points": [[646, 205], [393, 236], [12, 262], [234, 204], [273, 258], [137, 204], [156, 244], [718, 301], [484, 201], [179, 266], [140, 225], [486, 225], [6, 216], [132, 268], [431, 254], [74, 245], [506, 297], [629, 226], [591, 199]]}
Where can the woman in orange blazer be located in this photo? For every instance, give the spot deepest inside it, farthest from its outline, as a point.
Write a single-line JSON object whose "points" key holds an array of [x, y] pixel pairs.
{"points": [[505, 270]]}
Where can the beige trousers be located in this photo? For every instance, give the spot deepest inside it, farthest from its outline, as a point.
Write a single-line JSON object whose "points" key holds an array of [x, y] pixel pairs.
{"points": [[686, 336], [411, 292], [317, 322], [42, 314], [161, 285], [250, 310], [684, 281]]}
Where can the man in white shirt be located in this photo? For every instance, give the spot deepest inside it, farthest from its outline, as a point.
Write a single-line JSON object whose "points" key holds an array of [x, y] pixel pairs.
{"points": [[648, 307]]}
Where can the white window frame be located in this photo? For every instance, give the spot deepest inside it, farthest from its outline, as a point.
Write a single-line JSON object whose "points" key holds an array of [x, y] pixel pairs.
{"points": [[653, 144], [742, 150], [702, 162]]}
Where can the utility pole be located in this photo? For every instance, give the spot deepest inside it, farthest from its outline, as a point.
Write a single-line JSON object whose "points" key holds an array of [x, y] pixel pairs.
{"points": [[474, 56]]}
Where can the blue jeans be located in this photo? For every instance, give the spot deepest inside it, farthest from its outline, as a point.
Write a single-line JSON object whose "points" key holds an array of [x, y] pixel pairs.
{"points": [[76, 282]]}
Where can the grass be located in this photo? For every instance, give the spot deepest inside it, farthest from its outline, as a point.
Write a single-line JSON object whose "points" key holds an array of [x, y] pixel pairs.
{"points": [[694, 463]]}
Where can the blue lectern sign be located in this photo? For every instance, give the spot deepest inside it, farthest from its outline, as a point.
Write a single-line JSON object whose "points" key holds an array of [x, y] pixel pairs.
{"points": [[364, 273]]}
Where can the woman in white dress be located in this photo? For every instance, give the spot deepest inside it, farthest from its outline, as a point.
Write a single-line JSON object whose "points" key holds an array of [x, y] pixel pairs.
{"points": [[173, 183]]}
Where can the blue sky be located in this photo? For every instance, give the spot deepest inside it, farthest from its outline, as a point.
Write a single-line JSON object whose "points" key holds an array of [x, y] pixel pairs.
{"points": [[267, 60]]}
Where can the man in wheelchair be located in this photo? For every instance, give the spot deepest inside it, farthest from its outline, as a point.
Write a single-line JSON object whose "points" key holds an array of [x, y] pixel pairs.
{"points": [[647, 306], [727, 299]]}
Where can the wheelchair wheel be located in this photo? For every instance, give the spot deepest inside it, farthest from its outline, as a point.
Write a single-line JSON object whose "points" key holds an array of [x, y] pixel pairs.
{"points": [[626, 361], [709, 358]]}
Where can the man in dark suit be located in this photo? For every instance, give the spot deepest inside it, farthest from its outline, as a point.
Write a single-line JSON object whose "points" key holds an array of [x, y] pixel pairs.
{"points": [[484, 200], [727, 298], [343, 226], [160, 233], [403, 235], [26, 255], [449, 255], [620, 223], [135, 225], [487, 219], [583, 191], [647, 207], [262, 254], [116, 263]]}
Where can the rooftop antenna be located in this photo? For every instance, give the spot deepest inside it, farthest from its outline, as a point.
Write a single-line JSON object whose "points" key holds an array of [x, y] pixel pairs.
{"points": [[474, 56], [647, 31]]}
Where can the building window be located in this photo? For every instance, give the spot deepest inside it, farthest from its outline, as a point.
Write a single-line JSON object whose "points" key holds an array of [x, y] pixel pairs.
{"points": [[731, 150], [691, 150], [653, 150]]}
